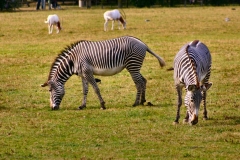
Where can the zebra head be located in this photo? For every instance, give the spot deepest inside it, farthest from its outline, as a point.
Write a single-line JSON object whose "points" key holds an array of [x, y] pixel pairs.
{"points": [[56, 94], [192, 101]]}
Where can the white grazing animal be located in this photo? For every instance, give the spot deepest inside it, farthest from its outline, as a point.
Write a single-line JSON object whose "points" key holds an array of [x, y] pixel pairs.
{"points": [[113, 15], [53, 20]]}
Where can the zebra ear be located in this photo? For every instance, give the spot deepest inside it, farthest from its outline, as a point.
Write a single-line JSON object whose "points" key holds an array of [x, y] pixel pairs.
{"points": [[191, 88], [50, 82], [206, 86], [44, 84]]}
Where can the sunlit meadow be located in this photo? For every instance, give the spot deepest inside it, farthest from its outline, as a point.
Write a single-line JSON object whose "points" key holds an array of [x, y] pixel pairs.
{"points": [[29, 129]]}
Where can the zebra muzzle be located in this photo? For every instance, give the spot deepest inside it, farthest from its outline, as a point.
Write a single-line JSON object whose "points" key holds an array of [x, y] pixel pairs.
{"points": [[55, 107], [194, 120]]}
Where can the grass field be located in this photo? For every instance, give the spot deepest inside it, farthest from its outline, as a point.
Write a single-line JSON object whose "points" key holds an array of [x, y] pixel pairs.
{"points": [[30, 130]]}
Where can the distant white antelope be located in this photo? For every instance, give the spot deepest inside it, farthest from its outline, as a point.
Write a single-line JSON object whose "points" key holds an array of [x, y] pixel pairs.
{"points": [[114, 15], [53, 20]]}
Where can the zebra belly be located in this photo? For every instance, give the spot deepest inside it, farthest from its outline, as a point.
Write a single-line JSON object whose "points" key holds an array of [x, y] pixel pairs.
{"points": [[107, 72]]}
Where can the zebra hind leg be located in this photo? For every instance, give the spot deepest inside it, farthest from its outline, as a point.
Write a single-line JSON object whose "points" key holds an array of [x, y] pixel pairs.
{"points": [[141, 87], [143, 99], [137, 100]]}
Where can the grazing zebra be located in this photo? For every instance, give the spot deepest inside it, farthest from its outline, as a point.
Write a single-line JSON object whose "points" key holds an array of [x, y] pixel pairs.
{"points": [[105, 58], [192, 68]]}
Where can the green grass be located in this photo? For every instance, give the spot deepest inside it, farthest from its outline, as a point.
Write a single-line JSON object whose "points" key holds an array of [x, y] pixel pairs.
{"points": [[30, 130]]}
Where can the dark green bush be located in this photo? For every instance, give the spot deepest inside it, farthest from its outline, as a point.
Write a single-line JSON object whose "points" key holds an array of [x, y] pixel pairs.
{"points": [[142, 3], [10, 5]]}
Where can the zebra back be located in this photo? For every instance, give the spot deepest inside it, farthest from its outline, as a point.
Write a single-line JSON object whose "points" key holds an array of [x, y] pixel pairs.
{"points": [[192, 63], [192, 67], [100, 54]]}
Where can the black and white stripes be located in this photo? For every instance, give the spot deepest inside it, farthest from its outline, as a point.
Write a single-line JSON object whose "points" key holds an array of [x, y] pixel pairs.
{"points": [[105, 58], [192, 68]]}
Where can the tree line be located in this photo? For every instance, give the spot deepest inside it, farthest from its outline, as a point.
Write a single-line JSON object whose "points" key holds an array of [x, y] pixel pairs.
{"points": [[12, 4], [173, 3]]}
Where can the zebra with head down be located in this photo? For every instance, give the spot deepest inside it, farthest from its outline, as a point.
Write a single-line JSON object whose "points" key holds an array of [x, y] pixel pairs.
{"points": [[192, 68], [105, 58]]}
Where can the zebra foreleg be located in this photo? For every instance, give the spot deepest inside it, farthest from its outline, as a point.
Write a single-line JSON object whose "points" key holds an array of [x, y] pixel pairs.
{"points": [[204, 106], [97, 91], [85, 92], [179, 103], [205, 87], [186, 118], [93, 82]]}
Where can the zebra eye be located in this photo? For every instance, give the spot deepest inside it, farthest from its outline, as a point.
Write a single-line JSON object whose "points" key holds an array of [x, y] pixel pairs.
{"points": [[50, 90]]}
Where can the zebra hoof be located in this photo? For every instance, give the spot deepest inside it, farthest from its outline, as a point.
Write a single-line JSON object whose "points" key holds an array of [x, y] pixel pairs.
{"points": [[135, 104], [149, 104], [55, 108], [185, 121], [103, 106], [143, 101], [81, 107], [205, 118], [175, 123]]}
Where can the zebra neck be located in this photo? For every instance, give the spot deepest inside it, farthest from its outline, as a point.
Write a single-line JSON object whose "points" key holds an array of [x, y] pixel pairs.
{"points": [[62, 71], [191, 77]]}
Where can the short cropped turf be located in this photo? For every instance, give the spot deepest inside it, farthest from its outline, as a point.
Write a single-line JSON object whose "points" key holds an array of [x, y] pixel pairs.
{"points": [[29, 129]]}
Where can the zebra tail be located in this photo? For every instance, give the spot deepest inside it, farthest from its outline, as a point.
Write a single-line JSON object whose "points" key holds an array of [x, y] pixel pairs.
{"points": [[160, 60]]}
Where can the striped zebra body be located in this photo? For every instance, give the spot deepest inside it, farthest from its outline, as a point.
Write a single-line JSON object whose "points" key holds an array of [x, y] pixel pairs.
{"points": [[104, 58], [192, 68]]}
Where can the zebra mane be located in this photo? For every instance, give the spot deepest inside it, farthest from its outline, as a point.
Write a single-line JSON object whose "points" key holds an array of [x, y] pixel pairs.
{"points": [[64, 54], [193, 63]]}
